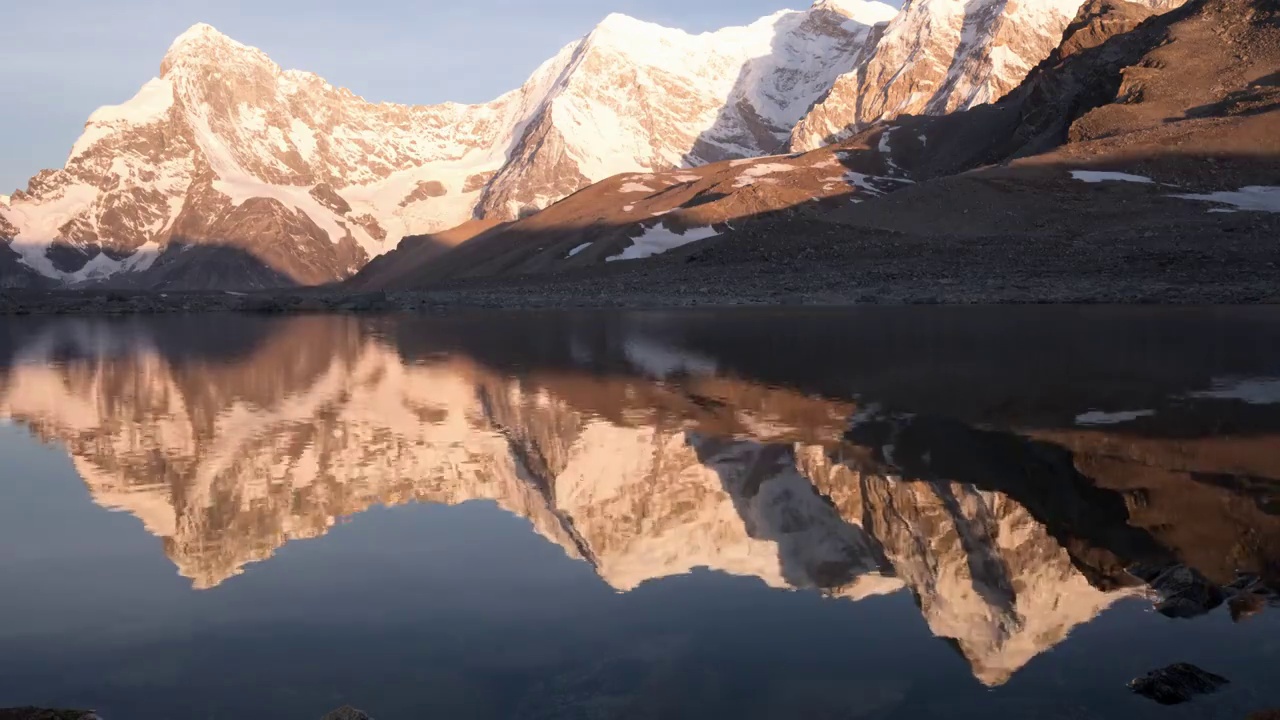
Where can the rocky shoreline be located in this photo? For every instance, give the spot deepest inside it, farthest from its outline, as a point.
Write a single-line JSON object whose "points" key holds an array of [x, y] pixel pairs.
{"points": [[719, 287]]}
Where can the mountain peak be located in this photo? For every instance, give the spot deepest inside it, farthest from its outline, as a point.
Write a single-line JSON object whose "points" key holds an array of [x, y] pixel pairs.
{"points": [[203, 43], [198, 34], [620, 23], [866, 12]]}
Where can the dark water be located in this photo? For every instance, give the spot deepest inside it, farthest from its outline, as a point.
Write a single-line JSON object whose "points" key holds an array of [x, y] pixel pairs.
{"points": [[908, 513]]}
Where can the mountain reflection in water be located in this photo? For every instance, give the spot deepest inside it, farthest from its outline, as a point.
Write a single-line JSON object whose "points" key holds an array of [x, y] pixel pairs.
{"points": [[941, 455]]}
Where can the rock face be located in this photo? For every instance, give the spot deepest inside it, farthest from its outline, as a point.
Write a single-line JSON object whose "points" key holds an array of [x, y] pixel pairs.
{"points": [[649, 472], [939, 56]]}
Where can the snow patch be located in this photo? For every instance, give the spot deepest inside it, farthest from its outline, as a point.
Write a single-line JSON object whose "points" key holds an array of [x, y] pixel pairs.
{"points": [[150, 105], [868, 183], [1097, 176], [102, 266], [1097, 417], [1253, 391], [634, 187], [1258, 198], [887, 150], [303, 139], [578, 249], [753, 174], [658, 239], [39, 225]]}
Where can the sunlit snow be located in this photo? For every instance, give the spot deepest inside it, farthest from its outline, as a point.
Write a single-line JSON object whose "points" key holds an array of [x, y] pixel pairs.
{"points": [[632, 187], [658, 239], [755, 173]]}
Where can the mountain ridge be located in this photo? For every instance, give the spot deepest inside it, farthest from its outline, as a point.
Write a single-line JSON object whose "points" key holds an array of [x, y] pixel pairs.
{"points": [[227, 155]]}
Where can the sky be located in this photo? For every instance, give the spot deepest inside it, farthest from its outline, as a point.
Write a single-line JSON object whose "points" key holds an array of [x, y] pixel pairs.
{"points": [[62, 59]]}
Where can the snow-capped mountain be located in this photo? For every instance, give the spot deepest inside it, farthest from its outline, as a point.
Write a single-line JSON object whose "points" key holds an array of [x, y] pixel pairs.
{"points": [[228, 171], [225, 150]]}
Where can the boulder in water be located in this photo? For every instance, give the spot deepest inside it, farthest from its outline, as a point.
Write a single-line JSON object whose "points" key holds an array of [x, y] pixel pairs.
{"points": [[1177, 684]]}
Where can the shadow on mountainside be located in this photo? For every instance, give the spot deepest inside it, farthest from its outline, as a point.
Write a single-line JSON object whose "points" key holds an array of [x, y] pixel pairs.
{"points": [[709, 147], [204, 266]]}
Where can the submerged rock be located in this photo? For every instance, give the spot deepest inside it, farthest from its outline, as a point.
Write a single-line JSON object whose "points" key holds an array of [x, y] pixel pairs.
{"points": [[1246, 606], [1181, 591], [1177, 684], [347, 712]]}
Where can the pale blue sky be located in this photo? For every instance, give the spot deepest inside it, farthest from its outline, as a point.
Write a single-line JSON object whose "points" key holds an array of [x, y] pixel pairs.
{"points": [[62, 59]]}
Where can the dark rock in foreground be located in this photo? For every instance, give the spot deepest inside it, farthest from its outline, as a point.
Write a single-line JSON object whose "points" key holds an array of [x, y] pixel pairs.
{"points": [[347, 712], [32, 713], [1177, 684], [1182, 592]]}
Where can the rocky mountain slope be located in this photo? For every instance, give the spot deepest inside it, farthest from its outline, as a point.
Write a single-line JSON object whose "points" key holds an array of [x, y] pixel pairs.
{"points": [[1108, 149], [1006, 544], [227, 171]]}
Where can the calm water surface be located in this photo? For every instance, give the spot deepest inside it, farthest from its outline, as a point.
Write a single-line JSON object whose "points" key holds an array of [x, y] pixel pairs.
{"points": [[906, 513]]}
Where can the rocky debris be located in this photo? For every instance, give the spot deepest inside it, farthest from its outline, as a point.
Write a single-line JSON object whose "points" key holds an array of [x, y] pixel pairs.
{"points": [[1177, 684], [1181, 591], [347, 713], [33, 713]]}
